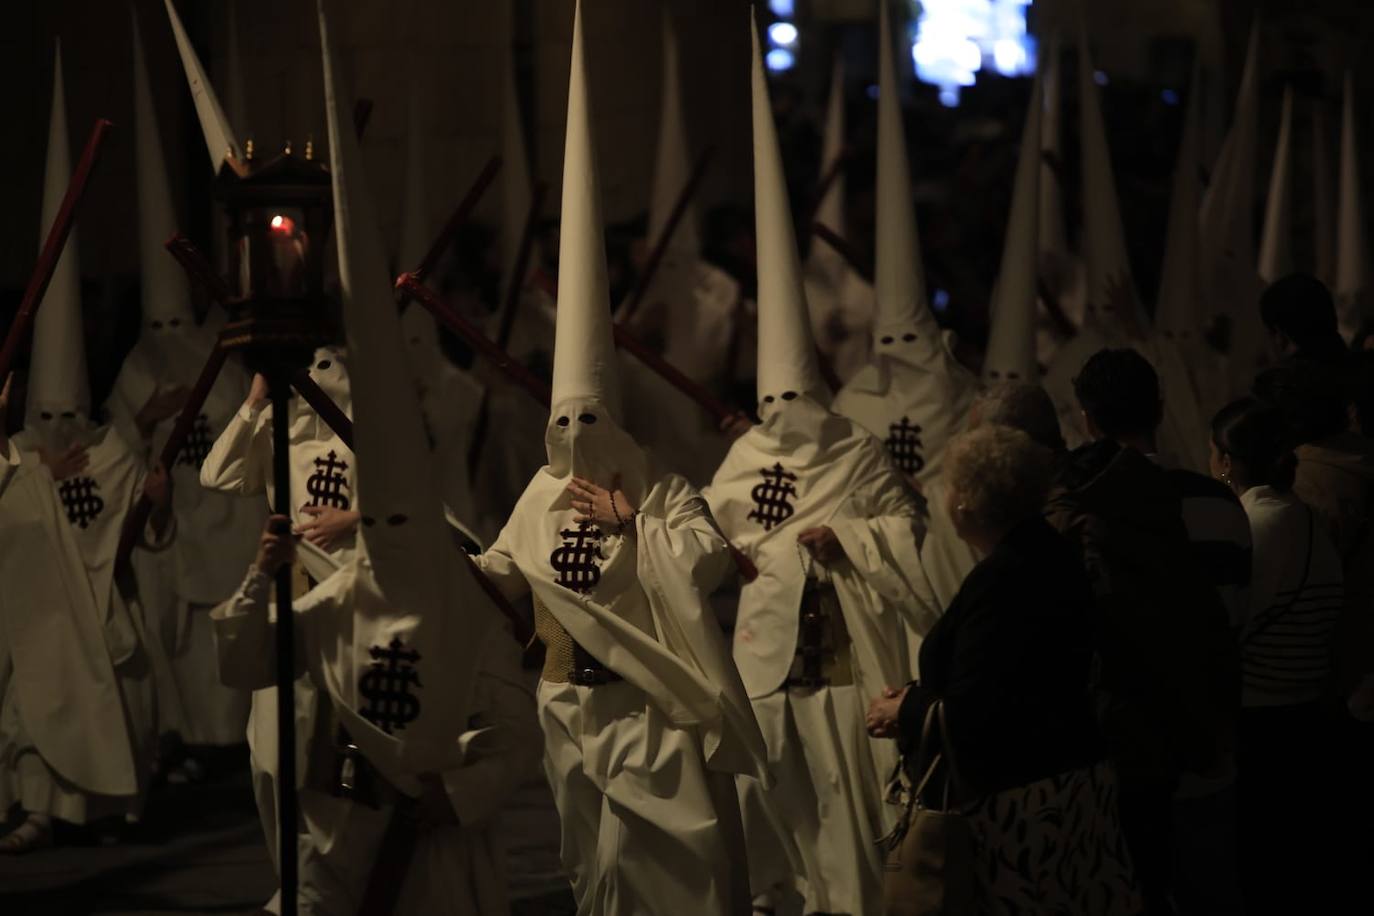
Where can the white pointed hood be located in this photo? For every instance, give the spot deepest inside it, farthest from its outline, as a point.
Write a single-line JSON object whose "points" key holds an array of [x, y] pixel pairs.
{"points": [[585, 435], [1011, 342], [59, 405], [1051, 234], [830, 208], [220, 139], [903, 327], [673, 165], [403, 527], [1352, 246], [1178, 312], [516, 187], [1276, 244], [787, 351], [1104, 239], [169, 338], [1227, 213]]}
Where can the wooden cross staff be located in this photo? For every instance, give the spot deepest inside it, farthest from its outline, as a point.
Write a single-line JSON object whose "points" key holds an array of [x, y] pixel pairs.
{"points": [[52, 247], [459, 217], [449, 317]]}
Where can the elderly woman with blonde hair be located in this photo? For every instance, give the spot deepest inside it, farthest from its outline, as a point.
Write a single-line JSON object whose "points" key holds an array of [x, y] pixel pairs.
{"points": [[1009, 663]]}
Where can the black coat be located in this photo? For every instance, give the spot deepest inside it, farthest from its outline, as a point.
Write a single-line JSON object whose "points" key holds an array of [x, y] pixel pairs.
{"points": [[1012, 659]]}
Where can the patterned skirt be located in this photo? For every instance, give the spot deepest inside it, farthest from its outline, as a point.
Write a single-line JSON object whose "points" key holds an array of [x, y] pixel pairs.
{"points": [[1053, 847]]}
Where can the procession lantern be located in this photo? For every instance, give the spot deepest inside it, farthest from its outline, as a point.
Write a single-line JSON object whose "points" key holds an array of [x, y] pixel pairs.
{"points": [[278, 214]]}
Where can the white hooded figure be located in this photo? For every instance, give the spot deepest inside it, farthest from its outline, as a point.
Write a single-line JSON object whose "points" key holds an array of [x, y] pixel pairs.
{"points": [[913, 393], [946, 559], [449, 396], [1227, 233], [688, 312], [216, 532], [841, 301], [645, 720], [77, 714], [814, 501], [1113, 315], [1181, 308], [240, 464], [1060, 269], [422, 711]]}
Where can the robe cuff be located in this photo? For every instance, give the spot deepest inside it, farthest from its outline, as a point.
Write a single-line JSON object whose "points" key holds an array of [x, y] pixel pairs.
{"points": [[249, 414], [253, 594]]}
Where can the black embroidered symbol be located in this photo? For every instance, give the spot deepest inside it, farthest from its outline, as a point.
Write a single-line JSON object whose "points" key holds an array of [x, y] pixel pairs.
{"points": [[80, 499], [326, 486], [575, 560], [198, 443], [386, 686], [771, 498], [904, 445]]}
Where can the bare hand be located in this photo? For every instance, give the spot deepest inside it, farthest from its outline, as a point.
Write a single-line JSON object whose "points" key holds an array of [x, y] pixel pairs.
{"points": [[259, 393], [157, 486], [736, 425], [328, 528], [434, 809], [592, 503], [1121, 303], [823, 545], [277, 547], [67, 463], [161, 405], [884, 712]]}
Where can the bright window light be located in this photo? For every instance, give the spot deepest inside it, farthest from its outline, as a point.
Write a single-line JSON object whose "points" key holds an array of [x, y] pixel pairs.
{"points": [[784, 8], [954, 40], [783, 34], [780, 59]]}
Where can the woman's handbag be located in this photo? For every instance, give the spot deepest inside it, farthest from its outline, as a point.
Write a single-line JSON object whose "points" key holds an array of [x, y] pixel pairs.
{"points": [[929, 865]]}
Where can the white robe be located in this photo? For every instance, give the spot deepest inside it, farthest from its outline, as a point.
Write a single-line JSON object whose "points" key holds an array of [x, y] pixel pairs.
{"points": [[914, 411], [826, 811], [240, 462], [217, 535], [78, 724], [641, 769], [482, 749]]}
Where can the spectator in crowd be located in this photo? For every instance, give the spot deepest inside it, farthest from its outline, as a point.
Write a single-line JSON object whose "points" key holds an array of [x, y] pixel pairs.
{"points": [[1010, 661], [1168, 557], [1300, 316], [1286, 651]]}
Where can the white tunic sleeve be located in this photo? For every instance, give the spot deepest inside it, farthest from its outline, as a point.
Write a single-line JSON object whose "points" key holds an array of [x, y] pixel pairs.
{"points": [[502, 748], [881, 535], [246, 636], [498, 562], [238, 461]]}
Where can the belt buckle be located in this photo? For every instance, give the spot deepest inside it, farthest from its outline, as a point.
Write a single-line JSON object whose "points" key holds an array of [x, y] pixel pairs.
{"points": [[588, 677]]}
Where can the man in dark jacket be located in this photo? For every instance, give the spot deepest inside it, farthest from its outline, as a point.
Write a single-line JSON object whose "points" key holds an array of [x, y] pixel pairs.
{"points": [[1168, 679]]}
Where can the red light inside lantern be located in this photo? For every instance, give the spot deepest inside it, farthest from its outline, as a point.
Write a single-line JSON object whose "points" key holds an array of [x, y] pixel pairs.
{"points": [[283, 224]]}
